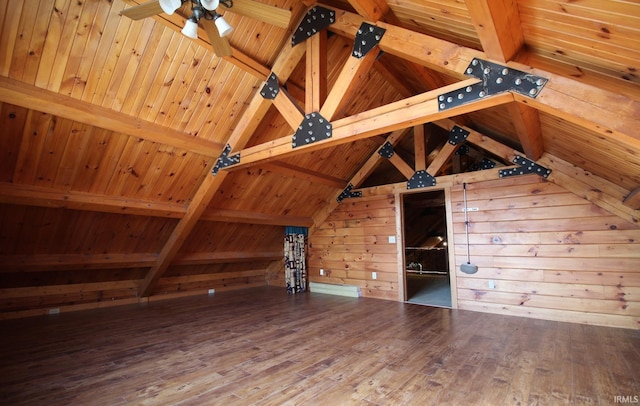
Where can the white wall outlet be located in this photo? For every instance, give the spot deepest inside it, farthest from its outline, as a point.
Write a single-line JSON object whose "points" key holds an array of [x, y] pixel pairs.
{"points": [[392, 239], [374, 275], [492, 284], [211, 292], [55, 310], [321, 272]]}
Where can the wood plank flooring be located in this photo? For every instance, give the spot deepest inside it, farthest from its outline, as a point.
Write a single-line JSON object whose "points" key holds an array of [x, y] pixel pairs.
{"points": [[261, 346]]}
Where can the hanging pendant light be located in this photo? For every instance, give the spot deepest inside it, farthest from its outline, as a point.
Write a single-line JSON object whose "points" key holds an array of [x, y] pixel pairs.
{"points": [[224, 28], [200, 9], [170, 6]]}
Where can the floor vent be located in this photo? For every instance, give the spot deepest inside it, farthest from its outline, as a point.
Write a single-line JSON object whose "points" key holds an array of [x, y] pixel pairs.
{"points": [[339, 290]]}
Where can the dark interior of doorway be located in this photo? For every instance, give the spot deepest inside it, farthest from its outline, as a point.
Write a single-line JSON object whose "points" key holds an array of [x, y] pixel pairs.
{"points": [[425, 249]]}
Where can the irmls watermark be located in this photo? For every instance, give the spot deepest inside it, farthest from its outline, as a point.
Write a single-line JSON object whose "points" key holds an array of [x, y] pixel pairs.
{"points": [[626, 399]]}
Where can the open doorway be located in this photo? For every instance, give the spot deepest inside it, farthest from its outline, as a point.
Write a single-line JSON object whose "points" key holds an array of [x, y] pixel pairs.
{"points": [[426, 256]]}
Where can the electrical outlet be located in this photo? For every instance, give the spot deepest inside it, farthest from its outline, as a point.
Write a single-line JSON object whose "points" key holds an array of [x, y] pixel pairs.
{"points": [[321, 272], [211, 292], [55, 310], [392, 239], [492, 284], [374, 275]]}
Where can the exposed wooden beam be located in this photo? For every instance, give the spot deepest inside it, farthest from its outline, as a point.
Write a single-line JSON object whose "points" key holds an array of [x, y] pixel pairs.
{"points": [[224, 257], [482, 141], [180, 233], [498, 26], [373, 10], [251, 217], [610, 114], [526, 121], [632, 200], [419, 109], [351, 75], [67, 262], [31, 97], [420, 147], [316, 72], [305, 174], [11, 193], [288, 108], [400, 164], [287, 60], [593, 188], [444, 155]]}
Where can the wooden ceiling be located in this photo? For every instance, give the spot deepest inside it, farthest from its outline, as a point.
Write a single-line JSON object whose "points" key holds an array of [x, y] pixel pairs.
{"points": [[111, 127]]}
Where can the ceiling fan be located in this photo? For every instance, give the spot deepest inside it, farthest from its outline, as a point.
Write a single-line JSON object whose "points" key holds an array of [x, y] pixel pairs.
{"points": [[205, 13]]}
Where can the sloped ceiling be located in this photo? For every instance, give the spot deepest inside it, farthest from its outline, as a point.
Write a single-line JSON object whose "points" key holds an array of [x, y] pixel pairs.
{"points": [[111, 127]]}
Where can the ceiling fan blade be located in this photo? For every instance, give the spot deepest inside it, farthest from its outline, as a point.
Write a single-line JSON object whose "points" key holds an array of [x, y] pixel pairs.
{"points": [[143, 10], [263, 12], [220, 45]]}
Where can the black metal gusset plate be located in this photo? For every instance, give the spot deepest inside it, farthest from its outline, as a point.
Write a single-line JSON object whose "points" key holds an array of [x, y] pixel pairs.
{"points": [[271, 88], [225, 160], [386, 151], [313, 128], [495, 79], [527, 166], [316, 20], [367, 37], [347, 193], [421, 179], [457, 135], [463, 150], [486, 163]]}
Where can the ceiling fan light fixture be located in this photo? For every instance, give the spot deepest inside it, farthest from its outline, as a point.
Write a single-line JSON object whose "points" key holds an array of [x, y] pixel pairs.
{"points": [[224, 28], [190, 28], [170, 6], [210, 4]]}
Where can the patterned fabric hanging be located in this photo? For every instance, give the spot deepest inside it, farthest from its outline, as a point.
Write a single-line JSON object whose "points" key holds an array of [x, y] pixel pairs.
{"points": [[295, 247]]}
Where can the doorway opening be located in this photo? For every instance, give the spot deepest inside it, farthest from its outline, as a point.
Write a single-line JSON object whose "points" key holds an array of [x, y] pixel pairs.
{"points": [[426, 255]]}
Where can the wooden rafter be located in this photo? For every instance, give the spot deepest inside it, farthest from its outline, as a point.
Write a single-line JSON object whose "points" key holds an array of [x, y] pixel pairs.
{"points": [[288, 58], [24, 95], [373, 10], [609, 114], [498, 25], [316, 72], [252, 217], [305, 174]]}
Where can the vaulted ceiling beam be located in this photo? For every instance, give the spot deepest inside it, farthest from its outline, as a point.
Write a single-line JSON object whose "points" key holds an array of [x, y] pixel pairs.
{"points": [[316, 72], [286, 62], [373, 10], [415, 110], [610, 114], [31, 97], [498, 25], [12, 193], [252, 217], [351, 76]]}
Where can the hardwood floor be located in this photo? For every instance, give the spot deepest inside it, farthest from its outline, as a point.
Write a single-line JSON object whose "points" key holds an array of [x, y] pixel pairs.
{"points": [[261, 346]]}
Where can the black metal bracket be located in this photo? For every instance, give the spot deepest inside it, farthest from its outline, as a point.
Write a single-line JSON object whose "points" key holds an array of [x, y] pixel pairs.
{"points": [[386, 151], [421, 179], [271, 89], [486, 163], [225, 160], [495, 79], [316, 20], [458, 135], [313, 128], [347, 193], [527, 166], [367, 37], [463, 150]]}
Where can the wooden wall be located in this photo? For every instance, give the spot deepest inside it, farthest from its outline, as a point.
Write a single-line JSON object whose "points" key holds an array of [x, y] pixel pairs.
{"points": [[354, 242], [548, 253]]}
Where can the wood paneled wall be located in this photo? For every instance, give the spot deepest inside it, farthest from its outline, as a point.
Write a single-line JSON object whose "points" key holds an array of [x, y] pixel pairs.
{"points": [[547, 252], [354, 242]]}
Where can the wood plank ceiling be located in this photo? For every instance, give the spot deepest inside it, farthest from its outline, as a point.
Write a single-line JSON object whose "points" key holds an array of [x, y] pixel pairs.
{"points": [[110, 129]]}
